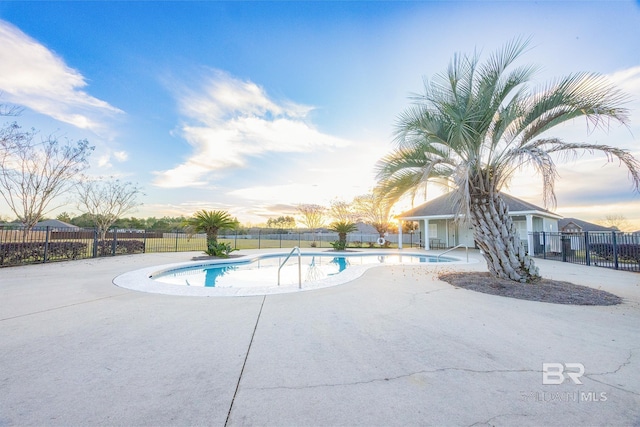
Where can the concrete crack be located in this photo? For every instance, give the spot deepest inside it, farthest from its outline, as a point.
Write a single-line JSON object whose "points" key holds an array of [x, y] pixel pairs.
{"points": [[233, 399], [487, 422], [375, 380], [60, 307], [622, 365]]}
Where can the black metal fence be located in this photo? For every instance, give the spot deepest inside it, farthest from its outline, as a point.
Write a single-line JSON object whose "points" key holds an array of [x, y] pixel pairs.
{"points": [[19, 246], [22, 246], [617, 250]]}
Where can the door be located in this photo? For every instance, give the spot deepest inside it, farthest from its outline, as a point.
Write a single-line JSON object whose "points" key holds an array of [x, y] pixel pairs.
{"points": [[465, 235]]}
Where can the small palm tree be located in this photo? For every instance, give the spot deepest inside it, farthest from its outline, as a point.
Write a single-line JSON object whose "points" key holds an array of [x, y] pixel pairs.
{"points": [[342, 228], [477, 124], [211, 222]]}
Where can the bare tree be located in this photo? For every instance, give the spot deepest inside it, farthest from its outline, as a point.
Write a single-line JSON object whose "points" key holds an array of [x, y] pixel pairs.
{"points": [[107, 200], [282, 222], [617, 221], [312, 216], [374, 209], [33, 174], [11, 135], [342, 211], [10, 110]]}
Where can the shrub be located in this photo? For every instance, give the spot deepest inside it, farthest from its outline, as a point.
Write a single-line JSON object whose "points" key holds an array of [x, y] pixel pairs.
{"points": [[339, 245], [626, 252], [105, 247], [30, 252], [20, 253], [67, 250], [220, 249]]}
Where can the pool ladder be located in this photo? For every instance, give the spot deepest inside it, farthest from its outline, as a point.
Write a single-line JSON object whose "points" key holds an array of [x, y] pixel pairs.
{"points": [[299, 266], [455, 247]]}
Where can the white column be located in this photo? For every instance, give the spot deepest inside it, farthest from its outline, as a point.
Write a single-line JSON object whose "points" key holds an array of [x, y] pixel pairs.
{"points": [[426, 235], [446, 226], [530, 234], [399, 234]]}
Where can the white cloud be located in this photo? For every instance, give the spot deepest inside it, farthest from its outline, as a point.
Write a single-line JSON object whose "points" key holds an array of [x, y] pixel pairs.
{"points": [[228, 121], [35, 77], [104, 160], [628, 80], [121, 156]]}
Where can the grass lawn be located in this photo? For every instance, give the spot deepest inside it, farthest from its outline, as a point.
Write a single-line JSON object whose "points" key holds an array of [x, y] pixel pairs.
{"points": [[169, 244]]}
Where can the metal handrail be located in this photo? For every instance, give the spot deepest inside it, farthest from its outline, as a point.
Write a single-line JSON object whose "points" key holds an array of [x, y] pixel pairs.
{"points": [[455, 247], [296, 248]]}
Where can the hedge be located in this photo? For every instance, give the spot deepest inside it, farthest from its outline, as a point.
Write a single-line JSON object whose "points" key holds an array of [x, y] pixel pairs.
{"points": [[13, 253], [25, 252], [626, 251]]}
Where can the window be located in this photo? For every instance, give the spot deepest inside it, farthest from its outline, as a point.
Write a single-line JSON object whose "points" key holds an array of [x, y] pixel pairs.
{"points": [[433, 231]]}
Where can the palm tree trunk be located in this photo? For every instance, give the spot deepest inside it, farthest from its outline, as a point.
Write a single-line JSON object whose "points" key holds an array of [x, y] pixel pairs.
{"points": [[342, 237], [212, 237], [496, 235]]}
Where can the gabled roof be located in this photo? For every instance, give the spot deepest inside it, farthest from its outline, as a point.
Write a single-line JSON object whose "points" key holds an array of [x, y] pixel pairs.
{"points": [[443, 206], [365, 228], [584, 225], [55, 223]]}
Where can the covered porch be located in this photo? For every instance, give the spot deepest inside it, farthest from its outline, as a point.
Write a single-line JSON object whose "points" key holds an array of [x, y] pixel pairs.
{"points": [[440, 228]]}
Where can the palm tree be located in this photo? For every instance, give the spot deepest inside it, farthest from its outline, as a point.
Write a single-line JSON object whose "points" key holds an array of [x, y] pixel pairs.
{"points": [[342, 228], [211, 222], [477, 124]]}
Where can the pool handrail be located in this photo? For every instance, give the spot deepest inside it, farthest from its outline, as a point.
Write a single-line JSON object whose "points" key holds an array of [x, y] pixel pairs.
{"points": [[455, 247], [296, 248]]}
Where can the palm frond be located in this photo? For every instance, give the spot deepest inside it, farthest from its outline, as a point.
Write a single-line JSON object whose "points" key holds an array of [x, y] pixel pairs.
{"points": [[571, 150], [476, 124]]}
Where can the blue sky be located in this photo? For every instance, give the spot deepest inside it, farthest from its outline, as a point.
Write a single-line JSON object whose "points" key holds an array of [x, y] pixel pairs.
{"points": [[255, 107]]}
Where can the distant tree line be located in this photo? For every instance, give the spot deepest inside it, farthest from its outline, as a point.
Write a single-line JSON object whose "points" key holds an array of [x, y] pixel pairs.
{"points": [[165, 223]]}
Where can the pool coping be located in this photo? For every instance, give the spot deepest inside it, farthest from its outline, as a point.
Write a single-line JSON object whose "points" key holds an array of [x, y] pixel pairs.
{"points": [[140, 280]]}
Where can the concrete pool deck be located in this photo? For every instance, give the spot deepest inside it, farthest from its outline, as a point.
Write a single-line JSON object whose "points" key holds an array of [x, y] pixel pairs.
{"points": [[393, 347]]}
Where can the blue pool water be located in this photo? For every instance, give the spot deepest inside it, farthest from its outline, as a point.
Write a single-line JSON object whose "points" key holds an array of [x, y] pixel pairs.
{"points": [[264, 270]]}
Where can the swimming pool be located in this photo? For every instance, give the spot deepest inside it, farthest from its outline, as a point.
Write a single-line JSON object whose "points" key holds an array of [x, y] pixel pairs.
{"points": [[264, 271], [257, 273]]}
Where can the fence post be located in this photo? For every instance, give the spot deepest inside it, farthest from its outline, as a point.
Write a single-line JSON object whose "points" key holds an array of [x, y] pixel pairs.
{"points": [[144, 242], [46, 244], [615, 249], [563, 246], [587, 252], [114, 245], [544, 245], [235, 240], [177, 241], [95, 243], [259, 237]]}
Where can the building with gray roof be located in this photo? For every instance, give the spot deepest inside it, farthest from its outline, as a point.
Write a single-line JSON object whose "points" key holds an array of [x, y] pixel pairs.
{"points": [[441, 227]]}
